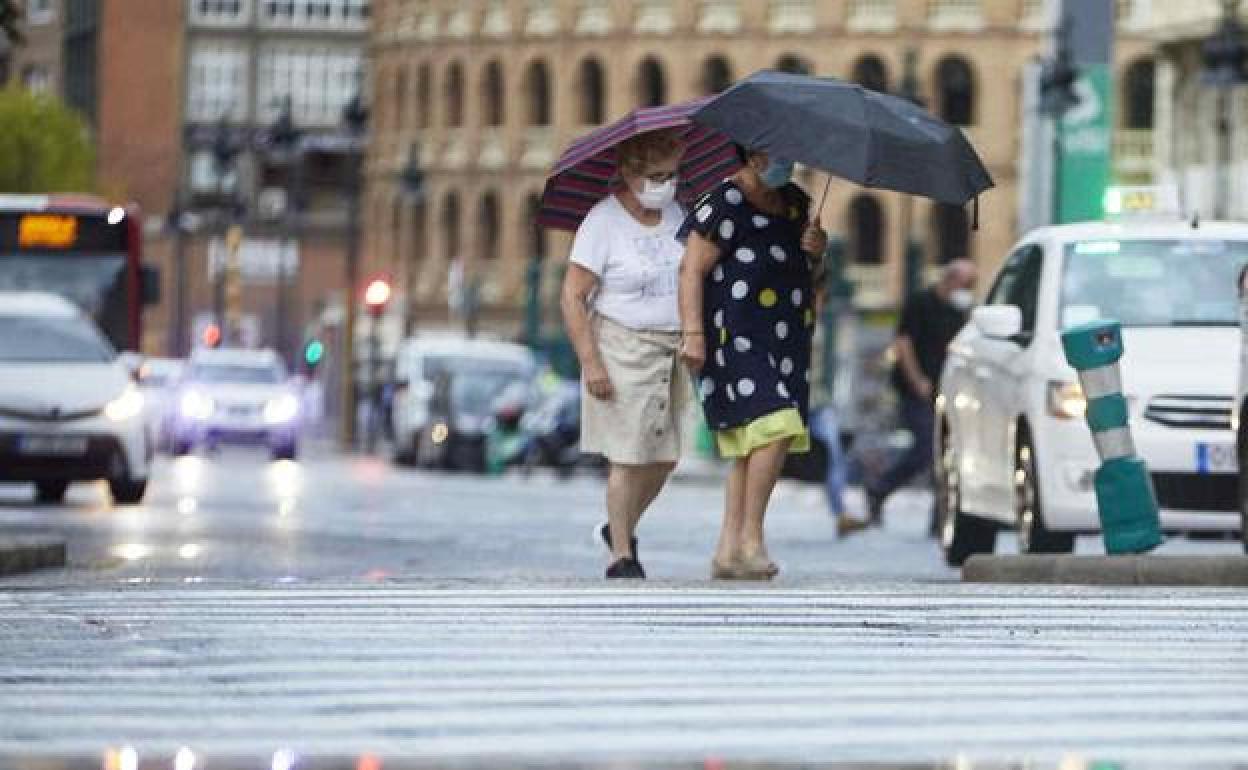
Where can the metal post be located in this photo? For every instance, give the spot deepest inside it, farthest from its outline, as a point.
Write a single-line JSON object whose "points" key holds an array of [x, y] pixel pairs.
{"points": [[355, 119], [533, 303], [1222, 204], [374, 381], [178, 329], [912, 254]]}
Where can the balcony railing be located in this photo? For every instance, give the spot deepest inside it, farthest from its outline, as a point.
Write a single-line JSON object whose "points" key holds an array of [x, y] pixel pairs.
{"points": [[791, 16], [542, 19], [594, 18], [956, 15], [539, 148], [1134, 152], [719, 17], [496, 23], [872, 15], [871, 285], [493, 153], [655, 17]]}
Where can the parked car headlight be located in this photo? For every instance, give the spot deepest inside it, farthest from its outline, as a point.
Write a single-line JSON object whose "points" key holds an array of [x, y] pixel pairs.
{"points": [[282, 409], [127, 406], [1066, 400], [196, 405]]}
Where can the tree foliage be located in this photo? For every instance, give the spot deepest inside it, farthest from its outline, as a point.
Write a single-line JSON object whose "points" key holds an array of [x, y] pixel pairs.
{"points": [[44, 146], [10, 16]]}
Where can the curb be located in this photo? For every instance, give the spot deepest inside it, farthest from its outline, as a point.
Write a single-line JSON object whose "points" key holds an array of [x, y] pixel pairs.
{"points": [[26, 553], [1128, 570]]}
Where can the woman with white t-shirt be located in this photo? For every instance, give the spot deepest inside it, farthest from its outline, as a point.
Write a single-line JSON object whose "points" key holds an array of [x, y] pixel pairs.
{"points": [[619, 304]]}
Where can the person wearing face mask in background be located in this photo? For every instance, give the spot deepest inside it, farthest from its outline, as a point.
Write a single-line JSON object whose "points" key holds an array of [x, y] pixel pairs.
{"points": [[619, 306], [930, 320]]}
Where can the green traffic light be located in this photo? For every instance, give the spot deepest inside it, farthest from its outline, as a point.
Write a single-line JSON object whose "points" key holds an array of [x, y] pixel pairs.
{"points": [[313, 352]]}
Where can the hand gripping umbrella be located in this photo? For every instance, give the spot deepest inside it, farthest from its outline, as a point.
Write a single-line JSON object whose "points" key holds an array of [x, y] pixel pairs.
{"points": [[851, 132], [585, 172]]}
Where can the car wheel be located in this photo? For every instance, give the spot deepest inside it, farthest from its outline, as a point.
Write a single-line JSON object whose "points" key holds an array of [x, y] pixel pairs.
{"points": [[961, 535], [288, 451], [182, 447], [127, 491], [1034, 536], [50, 492]]}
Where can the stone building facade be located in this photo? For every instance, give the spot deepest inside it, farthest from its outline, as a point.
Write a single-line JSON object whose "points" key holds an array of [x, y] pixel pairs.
{"points": [[486, 93]]}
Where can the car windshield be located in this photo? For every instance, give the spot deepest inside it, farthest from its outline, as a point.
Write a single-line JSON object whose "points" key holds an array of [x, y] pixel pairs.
{"points": [[52, 340], [1152, 282], [236, 374], [476, 393], [470, 365]]}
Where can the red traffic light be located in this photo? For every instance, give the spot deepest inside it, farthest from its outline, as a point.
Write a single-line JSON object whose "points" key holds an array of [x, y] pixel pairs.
{"points": [[377, 295], [210, 336]]}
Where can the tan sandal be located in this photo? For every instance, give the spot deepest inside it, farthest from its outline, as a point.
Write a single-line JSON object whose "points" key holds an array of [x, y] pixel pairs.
{"points": [[730, 571], [758, 568]]}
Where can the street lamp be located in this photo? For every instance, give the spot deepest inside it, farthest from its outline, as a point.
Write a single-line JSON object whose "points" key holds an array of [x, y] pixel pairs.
{"points": [[376, 298], [1225, 55], [354, 123], [178, 223], [912, 255], [1057, 97], [224, 153], [412, 183], [285, 141]]}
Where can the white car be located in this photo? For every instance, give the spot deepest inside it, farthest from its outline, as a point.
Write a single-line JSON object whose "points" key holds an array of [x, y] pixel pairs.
{"points": [[69, 410], [1012, 446], [159, 380], [446, 389], [237, 397]]}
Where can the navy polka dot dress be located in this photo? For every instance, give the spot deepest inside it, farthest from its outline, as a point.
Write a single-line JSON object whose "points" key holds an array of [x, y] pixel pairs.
{"points": [[757, 308]]}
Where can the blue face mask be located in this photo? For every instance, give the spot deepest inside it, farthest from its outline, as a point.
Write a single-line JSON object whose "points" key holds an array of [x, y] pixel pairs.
{"points": [[777, 174]]}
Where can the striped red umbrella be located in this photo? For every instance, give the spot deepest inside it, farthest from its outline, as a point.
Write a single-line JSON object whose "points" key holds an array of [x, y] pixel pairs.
{"points": [[585, 172]]}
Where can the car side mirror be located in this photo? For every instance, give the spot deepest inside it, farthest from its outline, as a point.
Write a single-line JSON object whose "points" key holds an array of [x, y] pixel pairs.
{"points": [[149, 279], [998, 322]]}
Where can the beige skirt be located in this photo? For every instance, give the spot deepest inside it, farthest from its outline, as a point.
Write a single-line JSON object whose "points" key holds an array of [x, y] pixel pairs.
{"points": [[641, 425]]}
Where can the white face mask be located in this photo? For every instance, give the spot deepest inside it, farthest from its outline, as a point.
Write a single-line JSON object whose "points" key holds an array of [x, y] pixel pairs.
{"points": [[962, 299], [656, 196]]}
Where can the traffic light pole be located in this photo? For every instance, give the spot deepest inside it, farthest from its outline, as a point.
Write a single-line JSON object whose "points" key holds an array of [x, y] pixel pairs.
{"points": [[351, 283]]}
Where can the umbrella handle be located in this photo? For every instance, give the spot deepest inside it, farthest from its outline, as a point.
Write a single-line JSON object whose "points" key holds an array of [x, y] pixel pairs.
{"points": [[823, 198]]}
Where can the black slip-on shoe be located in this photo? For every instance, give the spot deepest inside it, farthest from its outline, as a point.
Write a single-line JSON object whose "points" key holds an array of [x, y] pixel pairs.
{"points": [[605, 534], [626, 568]]}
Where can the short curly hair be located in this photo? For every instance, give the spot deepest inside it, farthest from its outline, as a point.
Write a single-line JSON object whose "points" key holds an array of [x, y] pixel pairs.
{"points": [[635, 154]]}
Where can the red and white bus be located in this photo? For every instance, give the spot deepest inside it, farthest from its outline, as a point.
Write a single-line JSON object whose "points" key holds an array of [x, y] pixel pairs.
{"points": [[84, 249]]}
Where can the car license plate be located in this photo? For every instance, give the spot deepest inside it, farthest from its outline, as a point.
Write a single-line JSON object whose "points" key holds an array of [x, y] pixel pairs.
{"points": [[59, 446], [240, 411], [1216, 458]]}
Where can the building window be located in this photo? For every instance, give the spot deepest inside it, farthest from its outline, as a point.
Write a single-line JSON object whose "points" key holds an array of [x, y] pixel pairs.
{"points": [[537, 86], [536, 240], [872, 15], [316, 13], [489, 226], [866, 230], [794, 64], [593, 92], [39, 12], [651, 83], [454, 95], [319, 80], [951, 231], [424, 95], [450, 226], [217, 83], [36, 79], [716, 75], [956, 89], [1139, 93], [871, 72], [219, 11], [492, 97], [956, 14]]}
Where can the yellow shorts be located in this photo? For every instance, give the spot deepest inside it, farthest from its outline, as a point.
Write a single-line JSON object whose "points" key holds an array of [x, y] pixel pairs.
{"points": [[768, 429]]}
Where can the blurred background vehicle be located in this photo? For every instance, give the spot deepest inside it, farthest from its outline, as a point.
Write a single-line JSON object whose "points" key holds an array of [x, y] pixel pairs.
{"points": [[159, 379], [69, 410], [238, 397], [444, 395]]}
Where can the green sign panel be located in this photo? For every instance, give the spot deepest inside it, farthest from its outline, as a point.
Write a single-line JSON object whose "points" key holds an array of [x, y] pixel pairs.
{"points": [[1087, 149]]}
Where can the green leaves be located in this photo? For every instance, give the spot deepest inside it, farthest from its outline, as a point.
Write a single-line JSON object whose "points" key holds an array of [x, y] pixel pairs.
{"points": [[44, 146], [10, 16]]}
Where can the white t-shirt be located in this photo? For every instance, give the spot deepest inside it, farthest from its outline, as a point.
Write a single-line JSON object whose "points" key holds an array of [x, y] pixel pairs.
{"points": [[636, 265]]}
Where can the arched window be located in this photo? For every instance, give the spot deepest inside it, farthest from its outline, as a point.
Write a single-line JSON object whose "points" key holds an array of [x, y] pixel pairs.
{"points": [[716, 74], [651, 83], [956, 88], [424, 100], [1139, 91], [866, 230], [871, 72], [536, 234], [951, 232], [455, 95], [593, 92], [488, 224], [537, 86], [450, 226], [492, 96], [798, 65]]}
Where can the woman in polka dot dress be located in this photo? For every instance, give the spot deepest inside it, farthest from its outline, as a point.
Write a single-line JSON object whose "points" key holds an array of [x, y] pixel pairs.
{"points": [[747, 316]]}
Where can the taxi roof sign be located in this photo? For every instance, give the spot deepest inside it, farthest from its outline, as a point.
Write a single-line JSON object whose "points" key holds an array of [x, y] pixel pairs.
{"points": [[1143, 201]]}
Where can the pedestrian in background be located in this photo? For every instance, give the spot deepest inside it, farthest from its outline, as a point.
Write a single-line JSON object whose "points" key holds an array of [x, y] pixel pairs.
{"points": [[747, 307], [930, 319], [619, 304]]}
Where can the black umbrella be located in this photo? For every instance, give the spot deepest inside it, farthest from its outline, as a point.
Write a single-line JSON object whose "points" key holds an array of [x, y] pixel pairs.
{"points": [[852, 132]]}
